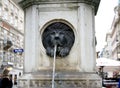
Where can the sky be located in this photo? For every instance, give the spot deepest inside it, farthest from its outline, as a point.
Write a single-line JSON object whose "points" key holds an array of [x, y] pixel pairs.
{"points": [[103, 21]]}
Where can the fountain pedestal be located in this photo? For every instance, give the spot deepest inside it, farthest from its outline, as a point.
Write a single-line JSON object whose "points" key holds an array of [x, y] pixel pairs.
{"points": [[62, 80], [78, 69]]}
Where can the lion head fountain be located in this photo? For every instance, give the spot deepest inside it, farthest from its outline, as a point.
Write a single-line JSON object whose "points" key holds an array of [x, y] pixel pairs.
{"points": [[69, 25], [58, 34]]}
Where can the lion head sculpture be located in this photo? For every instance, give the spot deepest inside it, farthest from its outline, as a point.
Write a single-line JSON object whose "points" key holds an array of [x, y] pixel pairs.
{"points": [[58, 34]]}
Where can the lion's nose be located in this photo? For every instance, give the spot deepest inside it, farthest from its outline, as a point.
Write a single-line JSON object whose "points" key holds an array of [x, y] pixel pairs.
{"points": [[56, 36]]}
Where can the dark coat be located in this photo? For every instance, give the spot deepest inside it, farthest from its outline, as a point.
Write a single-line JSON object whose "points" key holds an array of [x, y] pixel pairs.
{"points": [[0, 82], [6, 83], [10, 83]]}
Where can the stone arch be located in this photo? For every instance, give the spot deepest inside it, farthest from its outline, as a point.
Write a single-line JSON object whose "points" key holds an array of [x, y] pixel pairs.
{"points": [[57, 20]]}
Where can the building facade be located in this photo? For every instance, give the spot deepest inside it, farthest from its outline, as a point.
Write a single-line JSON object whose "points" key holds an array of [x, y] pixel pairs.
{"points": [[11, 36], [108, 48], [115, 34], [112, 48]]}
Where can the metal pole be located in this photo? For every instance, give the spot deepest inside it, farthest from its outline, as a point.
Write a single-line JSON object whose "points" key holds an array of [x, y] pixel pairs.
{"points": [[53, 75], [102, 75]]}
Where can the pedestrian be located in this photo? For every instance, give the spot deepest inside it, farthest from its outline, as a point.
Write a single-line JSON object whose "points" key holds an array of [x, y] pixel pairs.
{"points": [[15, 79], [5, 79], [0, 80], [10, 81]]}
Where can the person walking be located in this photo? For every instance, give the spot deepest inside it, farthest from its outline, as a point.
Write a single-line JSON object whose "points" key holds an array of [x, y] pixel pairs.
{"points": [[5, 79], [15, 80], [10, 81], [0, 80]]}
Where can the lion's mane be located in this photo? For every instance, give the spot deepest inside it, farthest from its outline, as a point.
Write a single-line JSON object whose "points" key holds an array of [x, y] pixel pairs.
{"points": [[58, 34]]}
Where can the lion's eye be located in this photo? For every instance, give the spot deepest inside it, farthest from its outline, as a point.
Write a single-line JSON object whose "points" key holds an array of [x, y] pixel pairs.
{"points": [[53, 33], [61, 33]]}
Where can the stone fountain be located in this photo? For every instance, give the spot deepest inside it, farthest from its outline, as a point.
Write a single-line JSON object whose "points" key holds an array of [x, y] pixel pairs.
{"points": [[69, 24]]}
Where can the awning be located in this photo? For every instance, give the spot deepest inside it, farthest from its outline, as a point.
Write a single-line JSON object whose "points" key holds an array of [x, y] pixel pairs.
{"points": [[10, 63], [107, 62]]}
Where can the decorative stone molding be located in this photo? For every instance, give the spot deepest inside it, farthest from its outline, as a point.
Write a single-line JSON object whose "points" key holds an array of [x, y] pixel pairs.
{"points": [[61, 84], [26, 3], [66, 80]]}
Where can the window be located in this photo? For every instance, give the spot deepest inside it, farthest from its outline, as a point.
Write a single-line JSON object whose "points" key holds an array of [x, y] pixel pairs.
{"points": [[6, 2], [16, 22], [16, 11], [0, 11], [1, 44], [11, 19], [11, 36], [12, 7], [0, 29], [5, 15], [1, 55], [0, 2]]}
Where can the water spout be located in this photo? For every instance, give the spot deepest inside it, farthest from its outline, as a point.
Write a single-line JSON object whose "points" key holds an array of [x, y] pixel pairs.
{"points": [[53, 75]]}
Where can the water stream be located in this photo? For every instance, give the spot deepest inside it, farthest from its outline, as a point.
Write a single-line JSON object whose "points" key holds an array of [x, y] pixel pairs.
{"points": [[53, 74]]}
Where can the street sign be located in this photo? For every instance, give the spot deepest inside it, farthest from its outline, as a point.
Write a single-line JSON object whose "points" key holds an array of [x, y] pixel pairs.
{"points": [[111, 82], [18, 50]]}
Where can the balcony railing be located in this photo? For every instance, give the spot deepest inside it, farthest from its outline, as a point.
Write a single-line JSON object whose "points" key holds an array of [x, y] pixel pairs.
{"points": [[7, 45]]}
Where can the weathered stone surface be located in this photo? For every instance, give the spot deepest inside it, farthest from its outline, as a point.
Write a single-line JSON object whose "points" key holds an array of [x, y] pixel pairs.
{"points": [[62, 80], [26, 3], [76, 70]]}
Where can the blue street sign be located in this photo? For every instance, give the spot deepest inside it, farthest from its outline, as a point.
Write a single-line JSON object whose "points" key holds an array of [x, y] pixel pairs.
{"points": [[18, 50]]}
